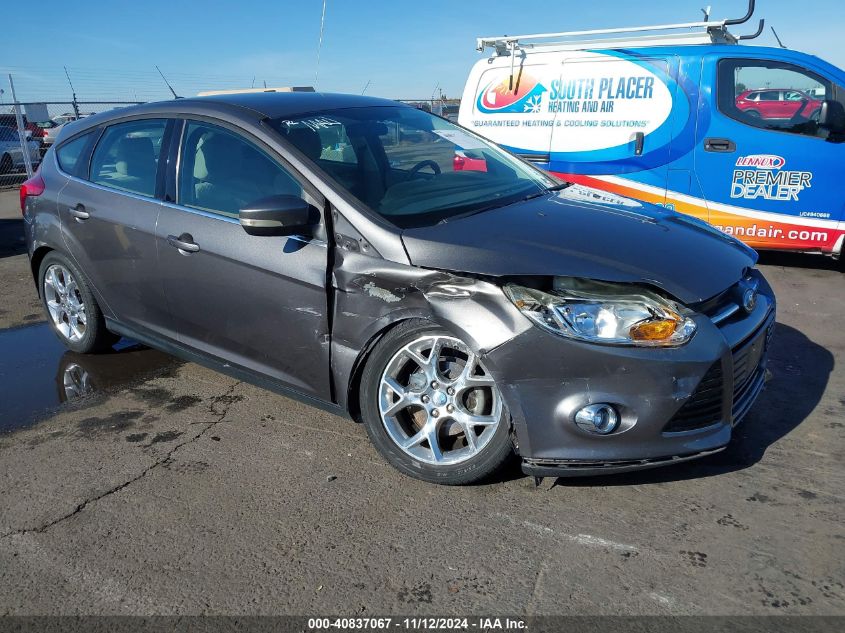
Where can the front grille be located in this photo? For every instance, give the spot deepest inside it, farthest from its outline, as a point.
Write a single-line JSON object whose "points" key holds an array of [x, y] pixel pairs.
{"points": [[750, 370], [704, 406]]}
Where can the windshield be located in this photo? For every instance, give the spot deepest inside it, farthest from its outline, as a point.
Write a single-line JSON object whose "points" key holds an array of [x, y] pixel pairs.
{"points": [[410, 167]]}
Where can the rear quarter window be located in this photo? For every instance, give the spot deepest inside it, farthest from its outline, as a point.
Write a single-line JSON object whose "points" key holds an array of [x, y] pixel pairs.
{"points": [[69, 154]]}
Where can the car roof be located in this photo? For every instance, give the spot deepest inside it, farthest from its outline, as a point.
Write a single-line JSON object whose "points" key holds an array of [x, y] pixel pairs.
{"points": [[264, 104], [252, 105], [276, 104]]}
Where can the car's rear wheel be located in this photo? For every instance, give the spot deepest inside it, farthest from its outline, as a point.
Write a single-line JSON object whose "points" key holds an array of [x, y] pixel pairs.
{"points": [[5, 164], [432, 409], [71, 308]]}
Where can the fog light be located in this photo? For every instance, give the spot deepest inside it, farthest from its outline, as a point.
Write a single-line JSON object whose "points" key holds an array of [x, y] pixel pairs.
{"points": [[601, 419]]}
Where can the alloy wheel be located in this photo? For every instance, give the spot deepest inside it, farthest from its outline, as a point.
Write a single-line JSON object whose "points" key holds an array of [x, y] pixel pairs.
{"points": [[437, 402], [65, 303]]}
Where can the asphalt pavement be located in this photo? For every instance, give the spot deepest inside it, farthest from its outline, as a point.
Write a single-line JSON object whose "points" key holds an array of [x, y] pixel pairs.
{"points": [[173, 489]]}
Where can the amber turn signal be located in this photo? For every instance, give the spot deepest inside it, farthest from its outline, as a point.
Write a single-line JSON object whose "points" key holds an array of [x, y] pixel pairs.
{"points": [[653, 330]]}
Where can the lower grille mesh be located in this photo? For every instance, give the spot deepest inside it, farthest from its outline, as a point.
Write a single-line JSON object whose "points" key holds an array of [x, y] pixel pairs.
{"points": [[704, 407]]}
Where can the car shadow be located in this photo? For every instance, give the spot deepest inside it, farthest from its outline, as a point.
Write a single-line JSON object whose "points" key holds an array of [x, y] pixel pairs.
{"points": [[800, 373], [800, 260], [12, 241]]}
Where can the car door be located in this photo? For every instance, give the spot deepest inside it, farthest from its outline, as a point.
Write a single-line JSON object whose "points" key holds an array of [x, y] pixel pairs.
{"points": [[258, 302], [771, 182], [793, 101], [109, 212]]}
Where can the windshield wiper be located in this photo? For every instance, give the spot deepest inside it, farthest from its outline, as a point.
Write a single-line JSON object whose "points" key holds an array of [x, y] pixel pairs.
{"points": [[547, 190], [467, 214], [557, 187]]}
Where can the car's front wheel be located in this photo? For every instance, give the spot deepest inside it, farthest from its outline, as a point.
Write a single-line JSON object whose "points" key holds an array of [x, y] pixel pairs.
{"points": [[432, 409], [71, 308]]}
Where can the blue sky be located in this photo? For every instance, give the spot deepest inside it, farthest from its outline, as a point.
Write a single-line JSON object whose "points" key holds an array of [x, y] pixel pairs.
{"points": [[404, 49]]}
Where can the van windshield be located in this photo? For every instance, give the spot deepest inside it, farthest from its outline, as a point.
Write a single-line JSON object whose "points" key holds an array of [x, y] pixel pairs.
{"points": [[410, 167]]}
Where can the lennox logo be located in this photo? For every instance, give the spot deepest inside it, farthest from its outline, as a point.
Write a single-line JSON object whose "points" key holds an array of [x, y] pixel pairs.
{"points": [[764, 161]]}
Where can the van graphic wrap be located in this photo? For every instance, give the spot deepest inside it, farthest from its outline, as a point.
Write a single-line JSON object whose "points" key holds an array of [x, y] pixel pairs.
{"points": [[525, 96], [761, 230], [771, 189]]}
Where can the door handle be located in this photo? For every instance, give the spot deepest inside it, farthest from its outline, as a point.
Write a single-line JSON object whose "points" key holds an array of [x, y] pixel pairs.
{"points": [[185, 243], [79, 212], [639, 141], [724, 145]]}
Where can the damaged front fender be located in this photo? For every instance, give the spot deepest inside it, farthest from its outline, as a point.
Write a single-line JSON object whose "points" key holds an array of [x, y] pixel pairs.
{"points": [[371, 295]]}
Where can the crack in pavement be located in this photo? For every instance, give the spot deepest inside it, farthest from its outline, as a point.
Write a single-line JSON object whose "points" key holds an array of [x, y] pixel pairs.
{"points": [[226, 399]]}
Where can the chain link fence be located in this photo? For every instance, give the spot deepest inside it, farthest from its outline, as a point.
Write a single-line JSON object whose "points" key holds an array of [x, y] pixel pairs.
{"points": [[30, 120], [447, 108], [28, 129]]}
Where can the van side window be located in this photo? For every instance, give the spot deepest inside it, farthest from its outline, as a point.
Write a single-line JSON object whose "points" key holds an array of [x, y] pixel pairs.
{"points": [[222, 172], [774, 95], [69, 154], [126, 157]]}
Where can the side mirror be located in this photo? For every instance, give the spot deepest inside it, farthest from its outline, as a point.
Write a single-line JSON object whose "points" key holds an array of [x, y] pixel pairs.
{"points": [[278, 215], [832, 116]]}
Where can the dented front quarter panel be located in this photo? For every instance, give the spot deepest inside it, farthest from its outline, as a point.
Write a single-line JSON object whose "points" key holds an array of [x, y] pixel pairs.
{"points": [[372, 294]]}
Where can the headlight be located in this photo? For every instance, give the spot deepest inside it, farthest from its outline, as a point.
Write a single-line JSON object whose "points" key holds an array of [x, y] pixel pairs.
{"points": [[601, 312]]}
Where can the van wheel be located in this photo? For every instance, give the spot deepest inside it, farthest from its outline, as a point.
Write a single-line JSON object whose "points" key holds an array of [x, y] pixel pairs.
{"points": [[753, 114], [432, 409], [71, 308], [5, 164]]}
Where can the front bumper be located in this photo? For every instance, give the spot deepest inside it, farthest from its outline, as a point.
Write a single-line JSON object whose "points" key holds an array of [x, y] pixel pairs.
{"points": [[675, 404]]}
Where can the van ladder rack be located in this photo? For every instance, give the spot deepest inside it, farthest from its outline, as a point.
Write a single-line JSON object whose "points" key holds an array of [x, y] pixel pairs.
{"points": [[705, 32]]}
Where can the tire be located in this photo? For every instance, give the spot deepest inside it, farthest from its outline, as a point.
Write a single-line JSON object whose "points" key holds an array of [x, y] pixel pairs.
{"points": [[71, 309], [464, 415], [754, 114], [5, 164]]}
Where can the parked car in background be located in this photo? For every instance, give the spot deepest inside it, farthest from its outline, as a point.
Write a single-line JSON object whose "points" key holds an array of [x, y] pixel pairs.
{"points": [[70, 116], [779, 103], [10, 120], [36, 130], [323, 246], [50, 134], [11, 156]]}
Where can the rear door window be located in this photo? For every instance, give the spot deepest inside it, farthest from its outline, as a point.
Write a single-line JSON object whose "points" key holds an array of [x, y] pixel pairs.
{"points": [[222, 172], [127, 155]]}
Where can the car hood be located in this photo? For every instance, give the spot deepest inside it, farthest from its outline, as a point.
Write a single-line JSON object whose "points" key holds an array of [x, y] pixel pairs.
{"points": [[583, 232]]}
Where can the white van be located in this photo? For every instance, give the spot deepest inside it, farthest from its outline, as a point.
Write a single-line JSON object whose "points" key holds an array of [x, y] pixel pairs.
{"points": [[750, 139]]}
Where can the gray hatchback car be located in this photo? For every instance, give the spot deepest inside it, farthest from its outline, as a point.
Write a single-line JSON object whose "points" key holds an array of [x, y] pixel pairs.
{"points": [[389, 265]]}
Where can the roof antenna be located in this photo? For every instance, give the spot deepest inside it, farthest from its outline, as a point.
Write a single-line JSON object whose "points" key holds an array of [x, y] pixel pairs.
{"points": [[72, 91], [320, 45], [367, 86], [706, 12], [775, 33], [70, 83], [172, 91]]}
